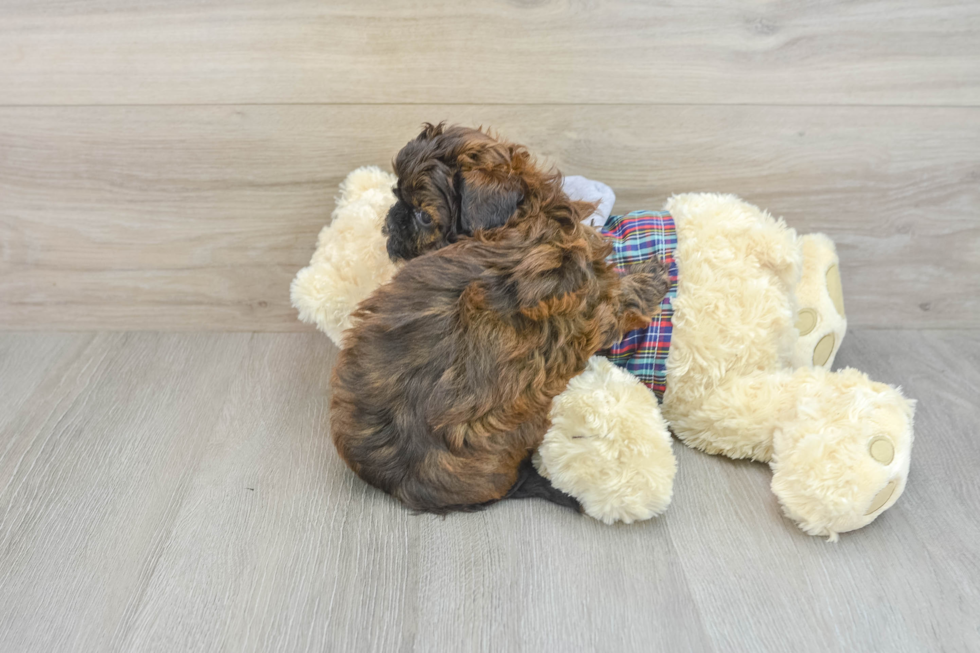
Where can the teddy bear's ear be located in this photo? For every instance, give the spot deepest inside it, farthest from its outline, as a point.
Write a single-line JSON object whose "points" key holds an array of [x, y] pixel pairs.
{"points": [[485, 203]]}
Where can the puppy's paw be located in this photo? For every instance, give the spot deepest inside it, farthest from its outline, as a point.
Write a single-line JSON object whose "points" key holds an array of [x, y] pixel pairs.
{"points": [[645, 286]]}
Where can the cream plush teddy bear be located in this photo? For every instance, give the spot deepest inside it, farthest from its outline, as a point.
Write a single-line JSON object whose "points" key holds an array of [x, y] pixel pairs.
{"points": [[757, 318]]}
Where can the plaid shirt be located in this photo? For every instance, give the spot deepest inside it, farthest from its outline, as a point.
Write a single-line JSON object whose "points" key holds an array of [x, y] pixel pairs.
{"points": [[636, 237]]}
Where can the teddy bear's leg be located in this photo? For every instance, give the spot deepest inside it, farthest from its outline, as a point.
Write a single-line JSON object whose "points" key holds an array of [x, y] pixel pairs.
{"points": [[844, 459], [736, 416], [820, 319], [608, 446], [838, 443]]}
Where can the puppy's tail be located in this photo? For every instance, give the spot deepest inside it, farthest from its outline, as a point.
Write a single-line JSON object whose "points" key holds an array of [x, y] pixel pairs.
{"points": [[532, 485]]}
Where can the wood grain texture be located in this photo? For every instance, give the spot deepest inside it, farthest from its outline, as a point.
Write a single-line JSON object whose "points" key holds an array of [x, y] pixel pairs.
{"points": [[894, 52], [198, 217], [94, 471], [177, 492]]}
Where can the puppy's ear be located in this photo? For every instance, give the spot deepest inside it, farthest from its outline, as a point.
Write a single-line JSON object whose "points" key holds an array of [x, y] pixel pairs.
{"points": [[486, 203]]}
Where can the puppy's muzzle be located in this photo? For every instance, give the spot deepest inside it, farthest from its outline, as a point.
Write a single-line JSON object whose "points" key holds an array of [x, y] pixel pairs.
{"points": [[397, 230]]}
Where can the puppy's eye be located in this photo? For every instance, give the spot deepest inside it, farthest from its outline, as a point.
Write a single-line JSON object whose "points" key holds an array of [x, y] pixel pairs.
{"points": [[422, 217]]}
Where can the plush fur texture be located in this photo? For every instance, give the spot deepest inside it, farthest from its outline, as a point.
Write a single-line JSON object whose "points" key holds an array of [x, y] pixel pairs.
{"points": [[350, 261], [608, 446], [446, 377], [823, 474], [734, 314], [733, 387]]}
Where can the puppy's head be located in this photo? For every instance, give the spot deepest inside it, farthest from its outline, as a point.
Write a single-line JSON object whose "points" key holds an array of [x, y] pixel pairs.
{"points": [[452, 182]]}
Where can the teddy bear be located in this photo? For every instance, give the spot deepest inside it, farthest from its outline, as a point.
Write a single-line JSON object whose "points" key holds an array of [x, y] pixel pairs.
{"points": [[755, 318]]}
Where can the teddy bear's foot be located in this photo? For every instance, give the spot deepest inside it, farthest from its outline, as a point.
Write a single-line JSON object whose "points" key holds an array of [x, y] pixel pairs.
{"points": [[608, 446], [820, 320], [845, 459]]}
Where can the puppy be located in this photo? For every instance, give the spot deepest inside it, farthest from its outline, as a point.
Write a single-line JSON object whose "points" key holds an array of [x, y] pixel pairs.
{"points": [[443, 387]]}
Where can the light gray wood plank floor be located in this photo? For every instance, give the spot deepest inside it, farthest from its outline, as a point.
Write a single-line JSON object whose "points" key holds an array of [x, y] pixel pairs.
{"points": [[171, 492]]}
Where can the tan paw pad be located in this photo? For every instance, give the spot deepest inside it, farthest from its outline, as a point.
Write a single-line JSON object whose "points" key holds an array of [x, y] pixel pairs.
{"points": [[823, 350], [806, 321], [883, 496], [882, 450]]}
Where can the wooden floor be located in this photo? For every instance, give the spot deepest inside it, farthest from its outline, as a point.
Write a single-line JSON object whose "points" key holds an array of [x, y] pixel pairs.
{"points": [[178, 492]]}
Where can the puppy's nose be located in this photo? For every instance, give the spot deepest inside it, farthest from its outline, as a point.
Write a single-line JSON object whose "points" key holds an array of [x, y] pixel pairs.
{"points": [[397, 251], [392, 254]]}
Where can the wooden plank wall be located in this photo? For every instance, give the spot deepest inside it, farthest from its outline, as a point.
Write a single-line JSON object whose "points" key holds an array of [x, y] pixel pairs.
{"points": [[166, 164]]}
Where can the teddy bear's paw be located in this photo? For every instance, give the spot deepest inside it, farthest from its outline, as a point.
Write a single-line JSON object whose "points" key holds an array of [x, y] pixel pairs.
{"points": [[608, 446], [846, 460], [821, 321], [351, 259]]}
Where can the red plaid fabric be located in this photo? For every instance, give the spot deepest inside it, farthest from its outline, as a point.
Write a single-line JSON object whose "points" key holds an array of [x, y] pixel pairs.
{"points": [[638, 237]]}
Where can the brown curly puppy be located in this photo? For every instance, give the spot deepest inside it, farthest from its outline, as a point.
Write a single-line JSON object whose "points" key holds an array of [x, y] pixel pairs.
{"points": [[443, 387]]}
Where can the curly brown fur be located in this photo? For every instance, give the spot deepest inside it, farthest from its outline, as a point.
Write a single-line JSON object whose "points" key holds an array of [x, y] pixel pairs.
{"points": [[445, 381], [453, 181]]}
